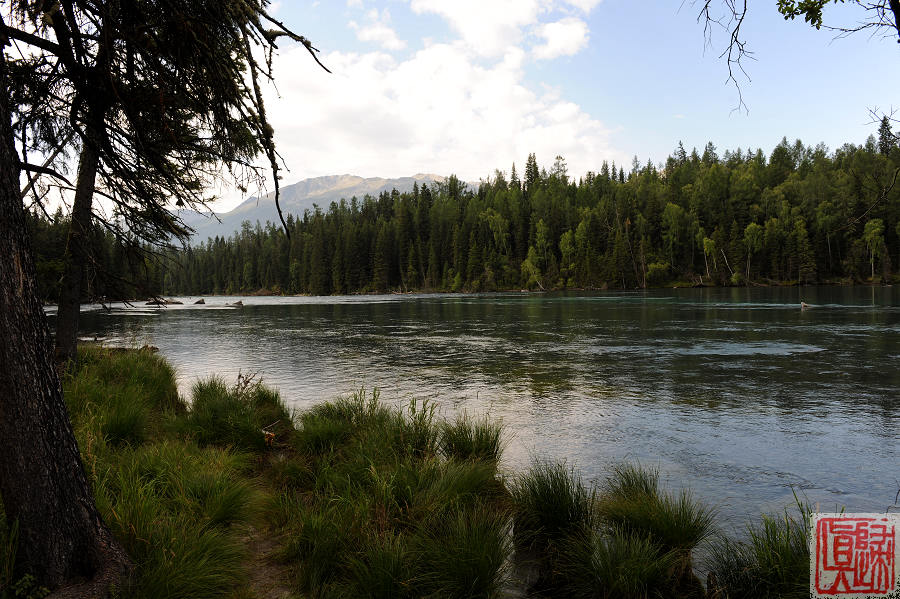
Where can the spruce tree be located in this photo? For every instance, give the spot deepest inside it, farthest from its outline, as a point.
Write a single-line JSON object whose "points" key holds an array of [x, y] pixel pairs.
{"points": [[887, 141]]}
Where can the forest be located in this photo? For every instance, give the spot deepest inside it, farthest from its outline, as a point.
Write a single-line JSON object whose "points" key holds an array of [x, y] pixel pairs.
{"points": [[802, 215]]}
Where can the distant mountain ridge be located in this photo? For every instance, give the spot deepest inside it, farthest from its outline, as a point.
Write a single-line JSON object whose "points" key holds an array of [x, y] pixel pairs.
{"points": [[296, 199]]}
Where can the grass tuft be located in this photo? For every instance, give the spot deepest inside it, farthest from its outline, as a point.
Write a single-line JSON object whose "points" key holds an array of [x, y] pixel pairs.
{"points": [[371, 508], [550, 501], [463, 553], [472, 439], [773, 560], [633, 502], [235, 416], [171, 504], [125, 422], [617, 565]]}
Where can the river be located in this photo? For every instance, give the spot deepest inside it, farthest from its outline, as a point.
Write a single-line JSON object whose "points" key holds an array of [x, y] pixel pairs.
{"points": [[735, 393]]}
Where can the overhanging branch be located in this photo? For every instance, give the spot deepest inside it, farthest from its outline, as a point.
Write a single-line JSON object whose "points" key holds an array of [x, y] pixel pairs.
{"points": [[32, 40]]}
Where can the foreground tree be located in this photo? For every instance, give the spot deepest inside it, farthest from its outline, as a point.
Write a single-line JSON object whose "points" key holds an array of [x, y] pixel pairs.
{"points": [[156, 97], [91, 77], [61, 535]]}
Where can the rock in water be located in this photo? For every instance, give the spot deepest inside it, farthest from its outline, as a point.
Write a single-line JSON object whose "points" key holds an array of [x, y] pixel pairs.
{"points": [[200, 301]]}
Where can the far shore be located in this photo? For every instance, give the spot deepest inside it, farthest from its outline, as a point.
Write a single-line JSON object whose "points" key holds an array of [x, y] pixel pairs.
{"points": [[679, 284]]}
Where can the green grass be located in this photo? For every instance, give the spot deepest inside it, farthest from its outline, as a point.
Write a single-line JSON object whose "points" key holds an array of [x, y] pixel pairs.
{"points": [[676, 523], [472, 439], [550, 502], [173, 506], [372, 508], [236, 416], [178, 506], [772, 561], [375, 501], [633, 502], [616, 565]]}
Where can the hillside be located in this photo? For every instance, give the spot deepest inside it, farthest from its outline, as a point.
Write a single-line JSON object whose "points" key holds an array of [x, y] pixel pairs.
{"points": [[297, 198]]}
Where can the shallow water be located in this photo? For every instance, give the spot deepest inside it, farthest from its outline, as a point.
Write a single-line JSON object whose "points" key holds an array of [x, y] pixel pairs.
{"points": [[736, 393]]}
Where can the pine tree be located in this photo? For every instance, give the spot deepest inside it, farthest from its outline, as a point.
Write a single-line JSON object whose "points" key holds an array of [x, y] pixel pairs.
{"points": [[532, 174], [887, 141]]}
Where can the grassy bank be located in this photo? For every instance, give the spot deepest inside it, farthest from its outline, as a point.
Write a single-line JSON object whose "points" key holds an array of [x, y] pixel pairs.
{"points": [[233, 496]]}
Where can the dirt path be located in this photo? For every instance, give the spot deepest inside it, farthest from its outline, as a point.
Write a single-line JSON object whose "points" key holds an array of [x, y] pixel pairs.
{"points": [[268, 578]]}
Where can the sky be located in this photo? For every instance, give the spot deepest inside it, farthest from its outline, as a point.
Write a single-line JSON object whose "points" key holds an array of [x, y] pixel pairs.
{"points": [[469, 86]]}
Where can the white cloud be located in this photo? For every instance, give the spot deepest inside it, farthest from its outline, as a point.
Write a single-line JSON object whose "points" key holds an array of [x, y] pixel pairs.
{"points": [[586, 6], [487, 27], [354, 3], [562, 38], [458, 107], [438, 111], [378, 30]]}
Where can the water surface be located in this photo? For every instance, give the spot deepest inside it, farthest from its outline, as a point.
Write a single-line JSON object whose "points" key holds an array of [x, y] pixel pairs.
{"points": [[736, 393]]}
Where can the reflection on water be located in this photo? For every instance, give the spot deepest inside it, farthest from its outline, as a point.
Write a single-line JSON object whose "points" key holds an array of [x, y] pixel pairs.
{"points": [[736, 393]]}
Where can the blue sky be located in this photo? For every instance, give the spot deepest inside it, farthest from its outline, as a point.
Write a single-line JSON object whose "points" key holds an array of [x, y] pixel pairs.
{"points": [[468, 86]]}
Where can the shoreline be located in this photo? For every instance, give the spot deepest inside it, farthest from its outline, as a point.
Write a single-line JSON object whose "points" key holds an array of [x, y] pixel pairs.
{"points": [[142, 302], [353, 494]]}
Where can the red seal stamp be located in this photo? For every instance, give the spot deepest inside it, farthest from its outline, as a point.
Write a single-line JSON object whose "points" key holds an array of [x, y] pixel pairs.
{"points": [[854, 555]]}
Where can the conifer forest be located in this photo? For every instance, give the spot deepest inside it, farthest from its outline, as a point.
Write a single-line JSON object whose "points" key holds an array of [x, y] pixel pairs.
{"points": [[801, 215]]}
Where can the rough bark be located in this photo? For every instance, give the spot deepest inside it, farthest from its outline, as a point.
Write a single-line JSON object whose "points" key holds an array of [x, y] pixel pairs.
{"points": [[76, 256], [63, 541]]}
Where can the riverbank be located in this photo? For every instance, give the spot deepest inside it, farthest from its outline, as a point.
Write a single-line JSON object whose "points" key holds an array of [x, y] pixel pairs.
{"points": [[233, 496], [699, 282]]}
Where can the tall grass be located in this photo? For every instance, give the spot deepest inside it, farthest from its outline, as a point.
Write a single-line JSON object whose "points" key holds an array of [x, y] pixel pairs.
{"points": [[772, 561], [467, 438], [105, 375], [550, 502], [172, 505], [177, 508], [122, 396], [616, 565], [372, 508], [633, 504], [374, 501], [238, 416], [551, 505], [463, 552]]}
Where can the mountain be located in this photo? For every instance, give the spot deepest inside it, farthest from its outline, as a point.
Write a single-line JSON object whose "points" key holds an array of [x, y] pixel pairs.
{"points": [[297, 198]]}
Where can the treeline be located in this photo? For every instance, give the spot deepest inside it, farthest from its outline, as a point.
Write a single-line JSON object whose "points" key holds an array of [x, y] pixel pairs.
{"points": [[117, 268], [800, 215]]}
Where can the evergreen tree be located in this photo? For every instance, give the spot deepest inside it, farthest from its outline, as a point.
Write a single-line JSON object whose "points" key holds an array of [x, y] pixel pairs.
{"points": [[532, 175], [887, 141]]}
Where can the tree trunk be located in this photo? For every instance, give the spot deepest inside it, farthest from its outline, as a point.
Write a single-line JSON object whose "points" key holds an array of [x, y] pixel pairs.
{"points": [[76, 256], [62, 538]]}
